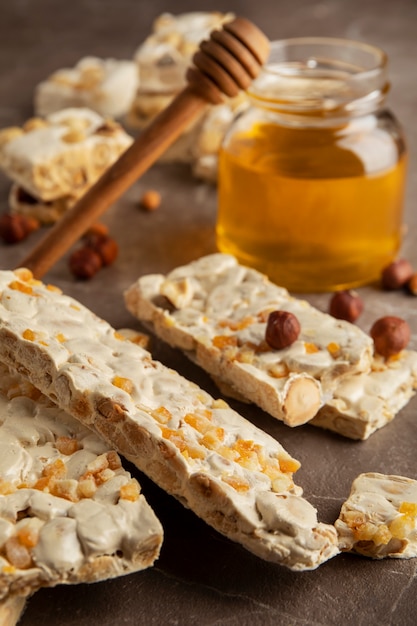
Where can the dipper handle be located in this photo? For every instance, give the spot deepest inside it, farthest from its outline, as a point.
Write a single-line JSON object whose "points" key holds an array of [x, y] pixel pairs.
{"points": [[223, 65]]}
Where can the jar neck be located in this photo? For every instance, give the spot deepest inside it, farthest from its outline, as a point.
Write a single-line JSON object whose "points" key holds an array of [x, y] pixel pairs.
{"points": [[321, 78]]}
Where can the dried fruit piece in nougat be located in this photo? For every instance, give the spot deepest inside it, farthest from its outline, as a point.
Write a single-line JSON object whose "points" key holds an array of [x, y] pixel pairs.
{"points": [[61, 155], [69, 512], [232, 474], [216, 311], [379, 519], [363, 403]]}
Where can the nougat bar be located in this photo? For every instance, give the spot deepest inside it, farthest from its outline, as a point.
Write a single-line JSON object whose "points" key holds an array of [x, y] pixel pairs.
{"points": [[61, 155], [216, 310], [69, 511], [230, 473]]}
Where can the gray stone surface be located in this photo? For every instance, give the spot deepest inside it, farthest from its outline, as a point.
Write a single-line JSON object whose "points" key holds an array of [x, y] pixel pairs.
{"points": [[201, 578]]}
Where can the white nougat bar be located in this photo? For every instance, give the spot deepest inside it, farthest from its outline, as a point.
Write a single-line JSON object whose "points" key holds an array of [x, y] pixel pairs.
{"points": [[379, 519], [106, 86], [232, 474], [63, 154], [69, 511], [216, 311]]}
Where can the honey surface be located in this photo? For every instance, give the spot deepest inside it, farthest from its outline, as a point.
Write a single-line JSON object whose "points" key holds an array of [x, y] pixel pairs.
{"points": [[315, 209]]}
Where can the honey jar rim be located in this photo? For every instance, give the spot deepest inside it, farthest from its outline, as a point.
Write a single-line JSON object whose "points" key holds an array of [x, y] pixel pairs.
{"points": [[328, 73]]}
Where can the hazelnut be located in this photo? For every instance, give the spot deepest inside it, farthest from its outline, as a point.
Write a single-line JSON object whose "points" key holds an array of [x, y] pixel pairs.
{"points": [[15, 228], [390, 334], [150, 200], [84, 263], [98, 228], [282, 329], [412, 285], [346, 305], [396, 274], [106, 247]]}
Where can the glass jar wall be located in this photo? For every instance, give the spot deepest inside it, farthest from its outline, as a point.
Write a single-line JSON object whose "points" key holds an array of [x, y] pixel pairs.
{"points": [[312, 174]]}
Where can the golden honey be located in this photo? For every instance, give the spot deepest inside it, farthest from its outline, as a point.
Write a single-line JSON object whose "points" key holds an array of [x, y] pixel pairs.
{"points": [[311, 188]]}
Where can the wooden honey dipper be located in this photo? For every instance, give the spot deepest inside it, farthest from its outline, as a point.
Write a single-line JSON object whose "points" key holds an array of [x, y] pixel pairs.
{"points": [[224, 65]]}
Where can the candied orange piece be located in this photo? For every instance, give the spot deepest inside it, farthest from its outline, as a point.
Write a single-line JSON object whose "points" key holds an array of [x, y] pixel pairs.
{"points": [[130, 491], [334, 349], [162, 415], [224, 341], [29, 335], [56, 469], [289, 465], [18, 286], [239, 484], [409, 508], [28, 536], [310, 348], [123, 383]]}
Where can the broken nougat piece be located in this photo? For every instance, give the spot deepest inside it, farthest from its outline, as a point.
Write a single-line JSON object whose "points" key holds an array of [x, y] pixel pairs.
{"points": [[379, 519], [69, 512], [363, 403], [106, 86], [231, 474], [216, 311], [162, 61], [61, 156], [46, 211]]}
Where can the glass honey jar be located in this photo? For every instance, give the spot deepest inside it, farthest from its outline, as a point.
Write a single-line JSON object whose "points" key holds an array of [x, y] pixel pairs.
{"points": [[312, 173]]}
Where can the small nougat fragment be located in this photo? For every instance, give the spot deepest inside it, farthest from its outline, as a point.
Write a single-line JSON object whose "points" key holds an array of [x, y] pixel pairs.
{"points": [[379, 519], [363, 403], [230, 473], [216, 310], [69, 511], [107, 86], [63, 154]]}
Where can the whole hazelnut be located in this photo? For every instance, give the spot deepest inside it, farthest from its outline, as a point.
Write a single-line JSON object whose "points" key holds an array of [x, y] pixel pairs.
{"points": [[346, 305], [84, 263], [396, 274], [390, 334], [98, 228], [150, 200], [15, 228], [282, 329], [412, 285], [106, 247]]}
